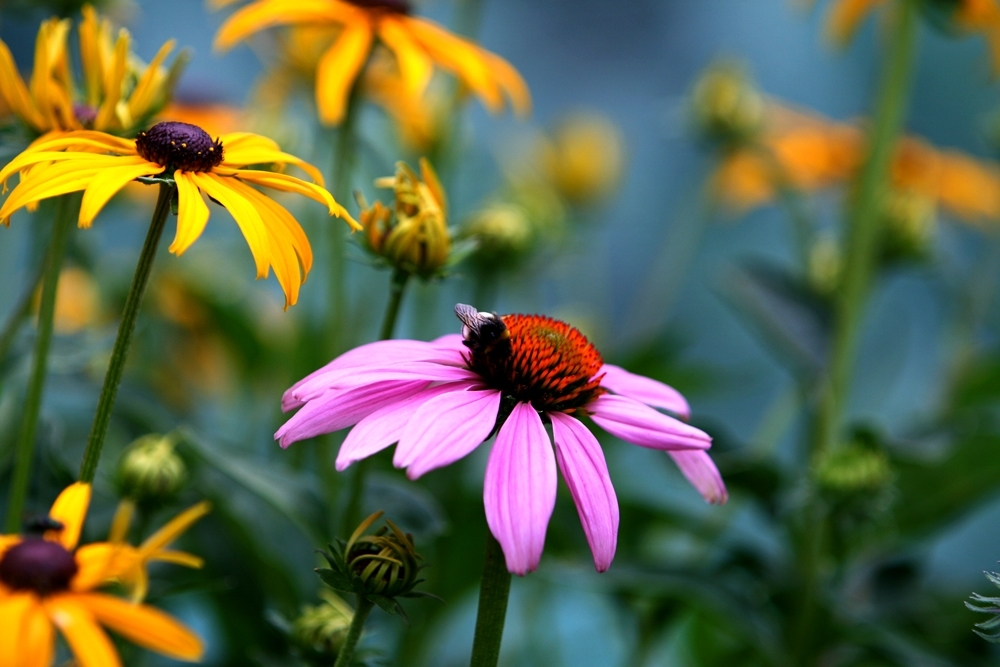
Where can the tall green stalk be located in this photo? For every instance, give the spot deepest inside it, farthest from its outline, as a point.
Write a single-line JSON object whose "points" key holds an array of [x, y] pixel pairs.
{"points": [[354, 632], [119, 353], [494, 591], [68, 208], [21, 310], [864, 223]]}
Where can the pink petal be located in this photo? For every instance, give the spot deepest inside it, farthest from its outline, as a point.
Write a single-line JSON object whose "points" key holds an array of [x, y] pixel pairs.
{"points": [[451, 342], [520, 488], [380, 354], [643, 389], [346, 378], [700, 470], [642, 425], [340, 408], [582, 463], [446, 428], [385, 426]]}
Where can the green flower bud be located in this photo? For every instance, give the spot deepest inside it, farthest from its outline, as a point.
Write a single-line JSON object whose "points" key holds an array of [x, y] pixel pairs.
{"points": [[503, 233], [853, 469], [150, 469], [726, 106], [825, 265], [321, 629], [910, 221]]}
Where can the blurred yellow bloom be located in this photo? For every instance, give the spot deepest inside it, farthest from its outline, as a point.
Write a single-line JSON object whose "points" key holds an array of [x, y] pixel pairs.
{"points": [[968, 16], [77, 300], [214, 118], [418, 119], [417, 43], [119, 92], [416, 239], [101, 165], [807, 152], [584, 158], [47, 583]]}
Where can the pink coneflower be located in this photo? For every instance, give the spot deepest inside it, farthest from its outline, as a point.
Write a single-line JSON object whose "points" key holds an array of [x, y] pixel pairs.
{"points": [[440, 400]]}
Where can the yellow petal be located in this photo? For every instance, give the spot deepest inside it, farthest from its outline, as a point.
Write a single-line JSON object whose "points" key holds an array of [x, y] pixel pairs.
{"points": [[106, 185], [269, 13], [70, 509], [14, 608], [247, 156], [462, 57], [144, 94], [238, 141], [292, 230], [415, 66], [173, 528], [51, 180], [37, 638], [287, 183], [180, 558], [83, 140], [113, 79], [338, 68], [15, 91], [100, 562], [243, 212], [90, 60], [192, 213], [430, 177], [88, 642], [144, 625], [511, 82]]}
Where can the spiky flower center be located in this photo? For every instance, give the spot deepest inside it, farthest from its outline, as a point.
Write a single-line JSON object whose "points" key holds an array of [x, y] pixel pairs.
{"points": [[543, 361], [37, 565], [181, 146], [394, 6]]}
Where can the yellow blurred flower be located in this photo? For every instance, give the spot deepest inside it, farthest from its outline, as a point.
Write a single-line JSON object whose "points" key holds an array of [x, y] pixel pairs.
{"points": [[584, 158], [412, 236], [46, 583], [119, 93], [967, 16], [215, 118], [417, 43], [418, 119], [101, 165], [77, 301], [726, 105]]}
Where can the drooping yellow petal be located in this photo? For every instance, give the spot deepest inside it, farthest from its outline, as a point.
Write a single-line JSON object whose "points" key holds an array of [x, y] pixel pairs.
{"points": [[415, 66], [269, 13], [15, 91], [338, 68], [461, 57], [144, 625], [37, 638], [106, 185], [192, 213], [286, 183], [113, 78], [23, 163], [14, 608], [244, 156], [90, 645], [292, 231], [98, 563], [173, 528], [846, 16], [70, 509], [239, 141], [511, 82], [83, 140], [143, 96], [243, 212]]}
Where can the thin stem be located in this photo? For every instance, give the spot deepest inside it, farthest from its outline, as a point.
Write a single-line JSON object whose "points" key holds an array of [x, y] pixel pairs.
{"points": [[865, 222], [21, 311], [66, 213], [119, 353], [352, 513], [354, 633], [792, 200], [494, 590]]}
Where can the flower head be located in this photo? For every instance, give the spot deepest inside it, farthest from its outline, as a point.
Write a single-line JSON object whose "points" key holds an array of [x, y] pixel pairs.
{"points": [[412, 236], [46, 583], [119, 92], [584, 158], [417, 43], [441, 400], [100, 165]]}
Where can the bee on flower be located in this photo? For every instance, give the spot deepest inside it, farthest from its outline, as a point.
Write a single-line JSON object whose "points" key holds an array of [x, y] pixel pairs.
{"points": [[119, 92], [504, 376]]}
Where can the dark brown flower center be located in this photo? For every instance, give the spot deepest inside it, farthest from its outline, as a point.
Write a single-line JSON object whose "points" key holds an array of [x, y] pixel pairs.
{"points": [[37, 565], [179, 146], [539, 360], [394, 6]]}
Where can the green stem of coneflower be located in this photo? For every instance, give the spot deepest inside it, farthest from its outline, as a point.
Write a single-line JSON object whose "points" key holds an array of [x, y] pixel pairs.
{"points": [[494, 590], [354, 633], [119, 354], [21, 311], [397, 288], [68, 208], [864, 223]]}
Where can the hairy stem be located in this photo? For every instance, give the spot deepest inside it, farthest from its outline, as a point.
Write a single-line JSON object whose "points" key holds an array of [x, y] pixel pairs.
{"points": [[119, 353], [354, 633], [494, 590]]}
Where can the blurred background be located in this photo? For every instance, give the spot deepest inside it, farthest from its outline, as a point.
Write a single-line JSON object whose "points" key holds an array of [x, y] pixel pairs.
{"points": [[664, 278]]}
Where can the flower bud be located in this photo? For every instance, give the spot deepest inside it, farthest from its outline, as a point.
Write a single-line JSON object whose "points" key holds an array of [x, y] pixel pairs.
{"points": [[412, 236], [909, 222], [584, 158], [825, 265], [852, 469], [726, 106], [150, 469], [321, 629], [503, 233]]}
